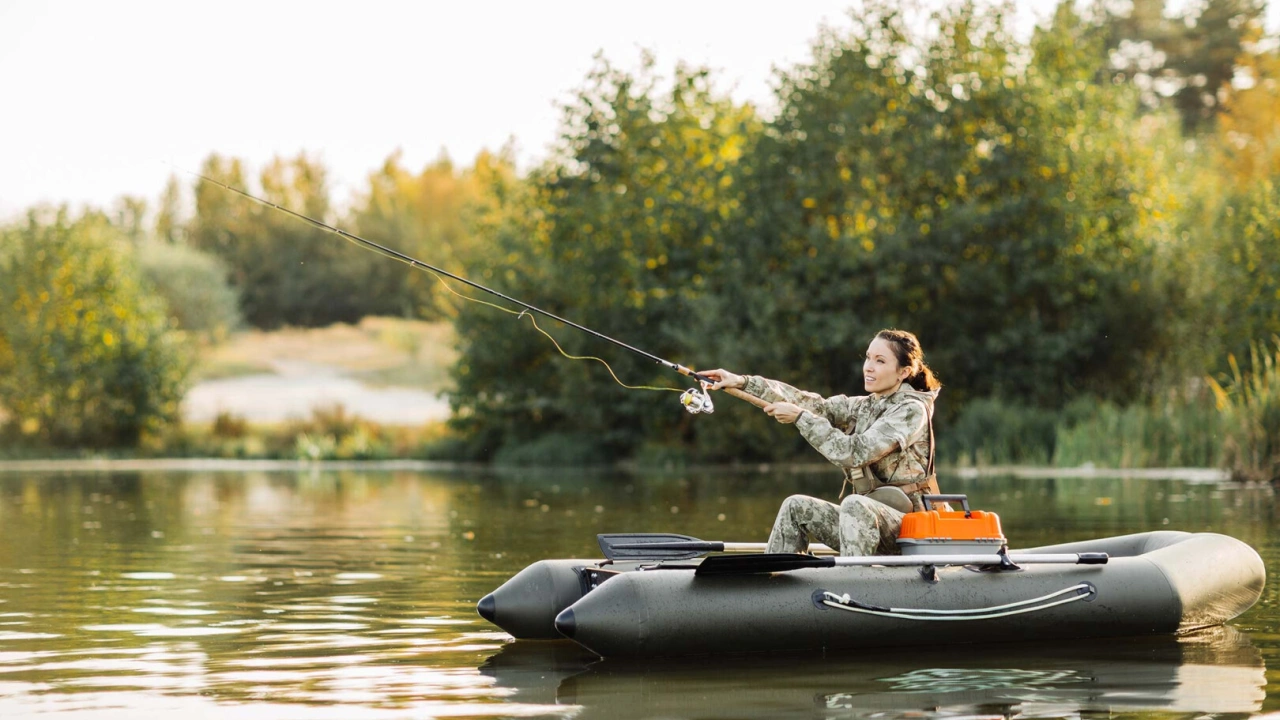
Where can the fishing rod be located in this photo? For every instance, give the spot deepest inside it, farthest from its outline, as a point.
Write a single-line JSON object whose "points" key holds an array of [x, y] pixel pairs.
{"points": [[695, 400]]}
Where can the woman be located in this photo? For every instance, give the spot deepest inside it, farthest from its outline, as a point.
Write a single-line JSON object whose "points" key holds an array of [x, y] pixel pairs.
{"points": [[883, 441]]}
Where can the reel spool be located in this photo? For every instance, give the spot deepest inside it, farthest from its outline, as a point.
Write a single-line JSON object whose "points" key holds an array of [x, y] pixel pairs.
{"points": [[697, 401]]}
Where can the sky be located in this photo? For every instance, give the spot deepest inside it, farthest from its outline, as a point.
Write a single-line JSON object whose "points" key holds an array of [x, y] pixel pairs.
{"points": [[103, 99]]}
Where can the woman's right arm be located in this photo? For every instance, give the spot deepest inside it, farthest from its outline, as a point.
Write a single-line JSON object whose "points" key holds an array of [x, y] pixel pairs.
{"points": [[772, 391]]}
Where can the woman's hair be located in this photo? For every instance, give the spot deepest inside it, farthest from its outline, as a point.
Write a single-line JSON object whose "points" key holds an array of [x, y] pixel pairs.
{"points": [[906, 347]]}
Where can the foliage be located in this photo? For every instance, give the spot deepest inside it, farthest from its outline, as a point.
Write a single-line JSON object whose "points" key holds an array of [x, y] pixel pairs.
{"points": [[995, 432], [427, 216], [194, 287], [1170, 432], [1001, 209], [1247, 147], [330, 433], [620, 231], [1250, 405], [286, 271], [1186, 59], [289, 272], [1243, 264], [1177, 430], [995, 198], [554, 450], [1237, 236], [1226, 244], [87, 356]]}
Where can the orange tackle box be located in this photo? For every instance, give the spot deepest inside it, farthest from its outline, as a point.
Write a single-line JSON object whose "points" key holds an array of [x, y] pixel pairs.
{"points": [[950, 532]]}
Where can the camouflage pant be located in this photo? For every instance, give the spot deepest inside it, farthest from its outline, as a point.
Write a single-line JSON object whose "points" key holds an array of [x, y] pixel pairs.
{"points": [[858, 526]]}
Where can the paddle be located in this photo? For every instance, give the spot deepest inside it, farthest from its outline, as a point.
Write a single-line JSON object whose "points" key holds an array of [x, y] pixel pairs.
{"points": [[783, 562], [666, 546]]}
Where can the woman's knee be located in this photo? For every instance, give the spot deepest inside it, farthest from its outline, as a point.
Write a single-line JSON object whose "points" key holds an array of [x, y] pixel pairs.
{"points": [[797, 502], [856, 505]]}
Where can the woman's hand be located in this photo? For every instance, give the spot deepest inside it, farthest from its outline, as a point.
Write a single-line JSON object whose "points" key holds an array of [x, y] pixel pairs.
{"points": [[784, 412], [724, 379]]}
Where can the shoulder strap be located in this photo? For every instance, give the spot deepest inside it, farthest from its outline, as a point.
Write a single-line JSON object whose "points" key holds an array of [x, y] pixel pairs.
{"points": [[928, 414]]}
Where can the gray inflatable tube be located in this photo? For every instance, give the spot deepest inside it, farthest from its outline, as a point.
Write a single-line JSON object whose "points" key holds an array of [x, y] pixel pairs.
{"points": [[1155, 583]]}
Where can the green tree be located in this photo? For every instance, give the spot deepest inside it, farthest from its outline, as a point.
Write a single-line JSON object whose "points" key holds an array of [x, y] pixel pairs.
{"points": [[287, 271], [425, 215], [87, 357], [618, 232], [170, 223], [1007, 211], [1244, 270], [131, 218], [1232, 249], [1186, 60]]}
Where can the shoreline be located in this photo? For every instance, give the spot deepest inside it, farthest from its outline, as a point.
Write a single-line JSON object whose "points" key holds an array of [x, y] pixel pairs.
{"points": [[1198, 475]]}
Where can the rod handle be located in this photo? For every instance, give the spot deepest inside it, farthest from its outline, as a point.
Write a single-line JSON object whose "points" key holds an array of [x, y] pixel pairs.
{"points": [[746, 396]]}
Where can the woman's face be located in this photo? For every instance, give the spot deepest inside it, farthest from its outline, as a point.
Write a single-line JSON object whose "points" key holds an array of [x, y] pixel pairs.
{"points": [[880, 371]]}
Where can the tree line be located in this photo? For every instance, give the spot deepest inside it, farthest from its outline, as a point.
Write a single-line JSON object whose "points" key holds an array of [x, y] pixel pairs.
{"points": [[1087, 214]]}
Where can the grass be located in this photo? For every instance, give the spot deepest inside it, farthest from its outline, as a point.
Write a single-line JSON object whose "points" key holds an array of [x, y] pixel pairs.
{"points": [[378, 350], [330, 433], [414, 375], [211, 369], [1176, 432], [1180, 430], [1249, 404]]}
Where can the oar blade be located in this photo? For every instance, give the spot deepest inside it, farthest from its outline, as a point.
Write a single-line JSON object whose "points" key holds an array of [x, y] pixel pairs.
{"points": [[650, 546], [760, 563]]}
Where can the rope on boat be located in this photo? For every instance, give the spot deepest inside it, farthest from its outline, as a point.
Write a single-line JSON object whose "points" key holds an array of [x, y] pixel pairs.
{"points": [[843, 602]]}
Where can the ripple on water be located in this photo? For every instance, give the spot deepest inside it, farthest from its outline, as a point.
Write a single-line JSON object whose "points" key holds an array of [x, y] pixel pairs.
{"points": [[156, 630], [9, 635], [181, 611], [312, 627]]}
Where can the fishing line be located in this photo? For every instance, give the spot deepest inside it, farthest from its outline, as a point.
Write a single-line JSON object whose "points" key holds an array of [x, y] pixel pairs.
{"points": [[534, 320], [440, 275]]}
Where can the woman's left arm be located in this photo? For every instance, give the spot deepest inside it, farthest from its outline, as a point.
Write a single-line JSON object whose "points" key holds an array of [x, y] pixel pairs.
{"points": [[895, 429]]}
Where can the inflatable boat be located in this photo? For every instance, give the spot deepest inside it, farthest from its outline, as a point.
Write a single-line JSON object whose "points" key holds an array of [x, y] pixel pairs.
{"points": [[941, 590]]}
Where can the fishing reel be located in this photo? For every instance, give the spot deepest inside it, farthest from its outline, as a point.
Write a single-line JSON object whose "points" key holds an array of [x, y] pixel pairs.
{"points": [[697, 401]]}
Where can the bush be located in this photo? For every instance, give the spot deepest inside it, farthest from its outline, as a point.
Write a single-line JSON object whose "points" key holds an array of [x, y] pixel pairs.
{"points": [[194, 286], [87, 356], [554, 450], [996, 432]]}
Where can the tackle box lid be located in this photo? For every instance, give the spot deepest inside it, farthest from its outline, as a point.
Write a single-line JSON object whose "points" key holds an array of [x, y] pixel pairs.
{"points": [[959, 525]]}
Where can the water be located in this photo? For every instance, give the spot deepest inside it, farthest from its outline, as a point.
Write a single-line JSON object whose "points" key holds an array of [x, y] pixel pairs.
{"points": [[351, 595]]}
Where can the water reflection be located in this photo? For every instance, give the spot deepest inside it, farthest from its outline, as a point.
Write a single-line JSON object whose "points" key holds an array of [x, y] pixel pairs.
{"points": [[351, 594], [1216, 672]]}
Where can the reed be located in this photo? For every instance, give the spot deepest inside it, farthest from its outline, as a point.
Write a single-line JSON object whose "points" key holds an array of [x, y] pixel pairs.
{"points": [[990, 431], [1178, 429], [1250, 408], [1174, 431]]}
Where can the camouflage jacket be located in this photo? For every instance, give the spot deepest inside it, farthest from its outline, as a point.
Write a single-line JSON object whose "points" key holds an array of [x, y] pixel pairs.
{"points": [[875, 440]]}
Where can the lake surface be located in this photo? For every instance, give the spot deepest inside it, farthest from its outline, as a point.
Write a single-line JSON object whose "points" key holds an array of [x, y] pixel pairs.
{"points": [[352, 594]]}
